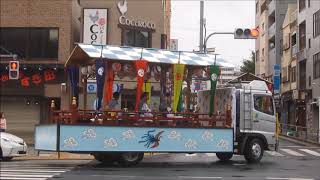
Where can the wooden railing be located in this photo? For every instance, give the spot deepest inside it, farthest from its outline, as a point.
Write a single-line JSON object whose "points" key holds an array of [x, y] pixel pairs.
{"points": [[125, 118]]}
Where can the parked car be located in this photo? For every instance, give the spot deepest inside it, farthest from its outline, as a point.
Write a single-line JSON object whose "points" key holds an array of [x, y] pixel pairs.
{"points": [[11, 146]]}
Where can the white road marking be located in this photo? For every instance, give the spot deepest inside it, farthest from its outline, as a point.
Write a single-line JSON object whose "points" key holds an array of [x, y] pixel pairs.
{"points": [[198, 177], [310, 152], [274, 153], [21, 178], [189, 155], [278, 178], [26, 175], [211, 154], [291, 152], [31, 170]]}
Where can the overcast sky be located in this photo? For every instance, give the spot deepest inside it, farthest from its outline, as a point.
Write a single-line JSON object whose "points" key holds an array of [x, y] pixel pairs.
{"points": [[220, 16]]}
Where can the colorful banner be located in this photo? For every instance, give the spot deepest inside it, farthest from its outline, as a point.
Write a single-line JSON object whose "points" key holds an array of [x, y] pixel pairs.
{"points": [[178, 73], [108, 86], [147, 88], [100, 71], [74, 80], [141, 67], [214, 74]]}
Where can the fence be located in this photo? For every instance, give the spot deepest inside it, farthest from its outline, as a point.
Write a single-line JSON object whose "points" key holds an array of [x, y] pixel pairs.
{"points": [[300, 133]]}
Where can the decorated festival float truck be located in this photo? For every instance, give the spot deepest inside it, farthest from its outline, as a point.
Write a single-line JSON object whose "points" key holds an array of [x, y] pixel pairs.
{"points": [[226, 120]]}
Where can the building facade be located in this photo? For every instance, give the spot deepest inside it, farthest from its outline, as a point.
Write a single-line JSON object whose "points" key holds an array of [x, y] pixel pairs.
{"points": [[308, 62], [43, 34], [270, 15], [291, 111]]}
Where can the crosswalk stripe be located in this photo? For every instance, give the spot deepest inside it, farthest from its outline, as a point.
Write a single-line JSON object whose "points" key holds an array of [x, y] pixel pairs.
{"points": [[291, 152], [211, 154], [310, 152], [26, 175], [32, 170], [274, 153], [21, 178]]}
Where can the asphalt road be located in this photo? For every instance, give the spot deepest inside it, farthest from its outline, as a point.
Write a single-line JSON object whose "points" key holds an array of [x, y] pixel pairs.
{"points": [[292, 162]]}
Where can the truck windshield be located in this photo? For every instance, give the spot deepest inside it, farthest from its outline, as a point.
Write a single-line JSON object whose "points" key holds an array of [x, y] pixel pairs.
{"points": [[263, 104]]}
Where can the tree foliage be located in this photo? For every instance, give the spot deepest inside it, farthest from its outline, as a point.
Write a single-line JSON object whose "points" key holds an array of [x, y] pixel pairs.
{"points": [[249, 64]]}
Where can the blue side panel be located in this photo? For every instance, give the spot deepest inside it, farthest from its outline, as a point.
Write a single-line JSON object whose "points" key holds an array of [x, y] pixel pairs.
{"points": [[145, 139], [46, 137]]}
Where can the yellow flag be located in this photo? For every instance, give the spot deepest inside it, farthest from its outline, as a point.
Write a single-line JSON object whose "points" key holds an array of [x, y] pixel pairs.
{"points": [[147, 88], [178, 73]]}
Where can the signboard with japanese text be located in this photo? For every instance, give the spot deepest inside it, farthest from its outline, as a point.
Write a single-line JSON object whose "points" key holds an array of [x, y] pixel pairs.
{"points": [[95, 26]]}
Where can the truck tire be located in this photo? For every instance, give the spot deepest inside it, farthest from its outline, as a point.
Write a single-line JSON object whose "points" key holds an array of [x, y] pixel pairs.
{"points": [[127, 159], [106, 158], [254, 151], [224, 156]]}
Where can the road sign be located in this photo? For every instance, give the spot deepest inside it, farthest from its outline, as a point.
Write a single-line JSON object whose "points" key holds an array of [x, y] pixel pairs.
{"points": [[276, 79]]}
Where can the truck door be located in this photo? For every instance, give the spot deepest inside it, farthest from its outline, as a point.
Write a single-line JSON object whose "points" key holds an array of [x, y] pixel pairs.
{"points": [[263, 114]]}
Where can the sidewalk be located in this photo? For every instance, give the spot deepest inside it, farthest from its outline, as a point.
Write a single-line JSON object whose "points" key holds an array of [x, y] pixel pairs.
{"points": [[299, 141]]}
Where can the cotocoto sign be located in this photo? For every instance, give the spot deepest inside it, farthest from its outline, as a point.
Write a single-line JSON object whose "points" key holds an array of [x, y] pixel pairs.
{"points": [[95, 26], [123, 20]]}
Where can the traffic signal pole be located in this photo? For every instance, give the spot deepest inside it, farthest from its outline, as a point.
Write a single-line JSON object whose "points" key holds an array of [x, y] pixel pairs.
{"points": [[214, 33]]}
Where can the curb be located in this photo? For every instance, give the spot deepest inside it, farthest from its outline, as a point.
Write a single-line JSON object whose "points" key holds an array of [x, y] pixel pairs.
{"points": [[65, 156], [298, 141]]}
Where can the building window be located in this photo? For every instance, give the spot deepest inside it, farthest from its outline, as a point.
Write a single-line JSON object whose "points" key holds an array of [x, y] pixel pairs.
{"points": [[302, 5], [136, 38], [308, 3], [30, 43], [293, 39], [263, 104], [293, 74], [302, 35], [316, 24], [316, 66]]}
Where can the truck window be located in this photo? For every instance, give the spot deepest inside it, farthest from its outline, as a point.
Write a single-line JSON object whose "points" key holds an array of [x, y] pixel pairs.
{"points": [[263, 104]]}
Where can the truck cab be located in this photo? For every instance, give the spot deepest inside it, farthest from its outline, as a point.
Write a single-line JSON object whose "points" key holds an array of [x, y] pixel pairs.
{"points": [[255, 120]]}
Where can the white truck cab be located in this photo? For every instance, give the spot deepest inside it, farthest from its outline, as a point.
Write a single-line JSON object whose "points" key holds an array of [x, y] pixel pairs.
{"points": [[253, 117]]}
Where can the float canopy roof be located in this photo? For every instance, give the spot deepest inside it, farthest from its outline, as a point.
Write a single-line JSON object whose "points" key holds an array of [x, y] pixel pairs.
{"points": [[84, 54]]}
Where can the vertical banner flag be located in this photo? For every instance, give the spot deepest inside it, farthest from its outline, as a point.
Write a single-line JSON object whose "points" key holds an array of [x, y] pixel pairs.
{"points": [[141, 67], [100, 70], [108, 86], [74, 80], [147, 88], [178, 73], [214, 73]]}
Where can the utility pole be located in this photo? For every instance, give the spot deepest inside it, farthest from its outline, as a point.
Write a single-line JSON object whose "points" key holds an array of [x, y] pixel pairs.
{"points": [[201, 26]]}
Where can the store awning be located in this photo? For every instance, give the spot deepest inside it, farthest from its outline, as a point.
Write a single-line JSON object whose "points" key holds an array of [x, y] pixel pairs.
{"points": [[87, 53]]}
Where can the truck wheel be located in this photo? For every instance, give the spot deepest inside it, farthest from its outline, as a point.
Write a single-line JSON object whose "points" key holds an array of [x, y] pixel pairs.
{"points": [[224, 156], [106, 158], [254, 151], [127, 159]]}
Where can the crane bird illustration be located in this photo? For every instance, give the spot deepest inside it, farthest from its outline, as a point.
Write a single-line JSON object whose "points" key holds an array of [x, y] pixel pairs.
{"points": [[123, 8], [151, 140]]}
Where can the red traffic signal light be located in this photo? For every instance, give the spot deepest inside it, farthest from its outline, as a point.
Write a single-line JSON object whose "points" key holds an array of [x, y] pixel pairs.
{"points": [[246, 33], [14, 70]]}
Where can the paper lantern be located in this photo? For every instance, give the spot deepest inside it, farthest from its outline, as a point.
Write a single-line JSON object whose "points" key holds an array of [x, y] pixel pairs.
{"points": [[116, 67], [84, 70], [90, 70]]}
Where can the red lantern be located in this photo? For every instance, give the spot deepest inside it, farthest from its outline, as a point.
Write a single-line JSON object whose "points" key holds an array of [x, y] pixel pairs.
{"points": [[49, 75], [25, 81], [4, 78], [36, 79]]}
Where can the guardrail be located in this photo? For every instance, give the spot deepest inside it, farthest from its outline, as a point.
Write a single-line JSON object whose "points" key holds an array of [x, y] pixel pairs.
{"points": [[300, 133]]}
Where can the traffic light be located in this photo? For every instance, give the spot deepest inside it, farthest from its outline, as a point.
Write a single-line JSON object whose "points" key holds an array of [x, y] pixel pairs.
{"points": [[14, 70], [240, 33]]}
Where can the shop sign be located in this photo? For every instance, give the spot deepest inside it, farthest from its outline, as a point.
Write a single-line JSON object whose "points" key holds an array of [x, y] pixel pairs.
{"points": [[123, 20], [95, 26], [91, 87]]}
